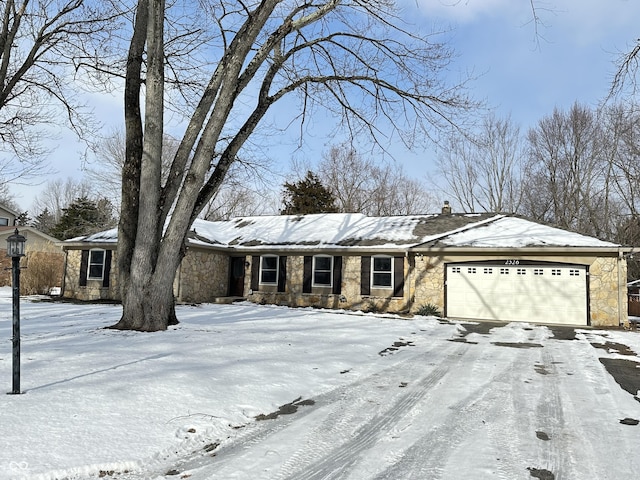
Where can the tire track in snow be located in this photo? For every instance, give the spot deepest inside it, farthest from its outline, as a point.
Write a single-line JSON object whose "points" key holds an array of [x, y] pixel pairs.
{"points": [[478, 410], [338, 459], [340, 409]]}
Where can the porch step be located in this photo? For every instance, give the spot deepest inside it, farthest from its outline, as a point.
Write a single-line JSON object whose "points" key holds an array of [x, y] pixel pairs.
{"points": [[227, 300]]}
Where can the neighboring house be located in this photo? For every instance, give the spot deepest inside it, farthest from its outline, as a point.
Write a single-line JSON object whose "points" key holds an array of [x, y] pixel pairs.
{"points": [[471, 266], [7, 217], [43, 266]]}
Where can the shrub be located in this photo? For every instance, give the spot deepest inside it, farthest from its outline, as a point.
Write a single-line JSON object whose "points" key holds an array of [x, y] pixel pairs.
{"points": [[41, 271], [429, 310]]}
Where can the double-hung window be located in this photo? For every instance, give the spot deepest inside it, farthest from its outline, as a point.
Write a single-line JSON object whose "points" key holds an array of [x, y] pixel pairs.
{"points": [[382, 272], [96, 265], [269, 270], [322, 270]]}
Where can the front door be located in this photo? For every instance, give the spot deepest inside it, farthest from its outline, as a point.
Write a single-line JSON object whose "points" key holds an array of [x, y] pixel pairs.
{"points": [[236, 277]]}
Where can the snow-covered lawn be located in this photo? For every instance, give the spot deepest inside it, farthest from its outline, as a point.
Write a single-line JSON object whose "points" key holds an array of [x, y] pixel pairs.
{"points": [[335, 399]]}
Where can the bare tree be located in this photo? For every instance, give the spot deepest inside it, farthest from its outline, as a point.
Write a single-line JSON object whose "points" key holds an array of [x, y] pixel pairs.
{"points": [[484, 172], [58, 194], [354, 58], [40, 41], [568, 172], [105, 171], [361, 185]]}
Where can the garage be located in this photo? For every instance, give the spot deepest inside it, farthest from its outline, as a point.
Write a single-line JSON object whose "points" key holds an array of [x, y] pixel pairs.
{"points": [[518, 290]]}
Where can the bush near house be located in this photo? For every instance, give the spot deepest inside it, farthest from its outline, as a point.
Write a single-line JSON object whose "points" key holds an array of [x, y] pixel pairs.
{"points": [[428, 310], [40, 272]]}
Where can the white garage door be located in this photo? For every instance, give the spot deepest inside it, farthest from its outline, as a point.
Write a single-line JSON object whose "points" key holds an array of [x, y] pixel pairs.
{"points": [[518, 291]]}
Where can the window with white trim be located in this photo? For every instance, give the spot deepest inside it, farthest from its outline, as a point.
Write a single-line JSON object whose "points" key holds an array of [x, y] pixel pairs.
{"points": [[538, 271], [488, 271], [471, 269], [4, 222], [574, 273], [322, 269], [95, 270], [455, 269], [382, 272], [269, 269], [521, 271], [504, 271], [556, 272]]}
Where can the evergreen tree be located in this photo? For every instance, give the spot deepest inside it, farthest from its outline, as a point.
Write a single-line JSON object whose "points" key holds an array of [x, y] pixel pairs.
{"points": [[23, 219], [83, 217], [45, 221], [308, 195]]}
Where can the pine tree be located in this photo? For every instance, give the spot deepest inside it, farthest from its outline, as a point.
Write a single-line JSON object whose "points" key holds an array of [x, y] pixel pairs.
{"points": [[306, 196], [45, 221], [83, 217], [23, 219]]}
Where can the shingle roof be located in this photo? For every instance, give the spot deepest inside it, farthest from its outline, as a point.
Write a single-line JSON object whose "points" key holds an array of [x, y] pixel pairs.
{"points": [[358, 231]]}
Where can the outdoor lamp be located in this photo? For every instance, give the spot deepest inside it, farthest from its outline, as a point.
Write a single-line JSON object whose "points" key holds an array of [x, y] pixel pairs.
{"points": [[15, 249], [15, 245]]}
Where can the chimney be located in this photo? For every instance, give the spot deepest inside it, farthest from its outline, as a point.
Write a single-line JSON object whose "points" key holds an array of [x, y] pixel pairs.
{"points": [[446, 209]]}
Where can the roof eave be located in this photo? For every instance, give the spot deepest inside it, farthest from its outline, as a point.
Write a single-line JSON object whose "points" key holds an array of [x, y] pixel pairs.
{"points": [[524, 250]]}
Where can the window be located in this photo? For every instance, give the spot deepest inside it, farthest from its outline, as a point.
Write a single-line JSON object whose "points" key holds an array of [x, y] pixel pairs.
{"points": [[538, 271], [322, 268], [269, 269], [574, 273], [382, 272], [504, 271], [471, 269], [556, 272], [96, 265], [4, 222], [488, 271], [455, 270], [521, 271]]}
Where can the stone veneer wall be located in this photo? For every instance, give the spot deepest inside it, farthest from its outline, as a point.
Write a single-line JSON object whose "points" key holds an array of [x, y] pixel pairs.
{"points": [[94, 289], [428, 282], [349, 298], [608, 306], [202, 276]]}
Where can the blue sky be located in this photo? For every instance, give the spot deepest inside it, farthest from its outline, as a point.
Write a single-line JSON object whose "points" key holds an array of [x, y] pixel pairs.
{"points": [[522, 72]]}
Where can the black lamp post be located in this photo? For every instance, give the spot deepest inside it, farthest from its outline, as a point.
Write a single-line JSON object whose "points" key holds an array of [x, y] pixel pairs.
{"points": [[15, 249]]}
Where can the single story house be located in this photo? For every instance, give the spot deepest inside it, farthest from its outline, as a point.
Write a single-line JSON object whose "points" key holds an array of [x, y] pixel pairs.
{"points": [[471, 266]]}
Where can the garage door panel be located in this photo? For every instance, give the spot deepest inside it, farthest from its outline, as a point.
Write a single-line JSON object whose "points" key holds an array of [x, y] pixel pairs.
{"points": [[532, 293]]}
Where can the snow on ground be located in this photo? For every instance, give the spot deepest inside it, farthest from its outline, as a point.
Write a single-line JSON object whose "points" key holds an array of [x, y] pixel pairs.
{"points": [[339, 395]]}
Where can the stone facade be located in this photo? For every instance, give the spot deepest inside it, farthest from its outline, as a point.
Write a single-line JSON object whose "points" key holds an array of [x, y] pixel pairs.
{"points": [[204, 276], [608, 302], [349, 298], [94, 290]]}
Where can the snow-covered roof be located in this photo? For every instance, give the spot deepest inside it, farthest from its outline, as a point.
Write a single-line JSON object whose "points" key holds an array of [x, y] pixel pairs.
{"points": [[330, 230], [358, 231], [514, 232]]}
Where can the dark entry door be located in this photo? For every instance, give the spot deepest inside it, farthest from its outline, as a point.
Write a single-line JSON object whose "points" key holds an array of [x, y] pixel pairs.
{"points": [[236, 277]]}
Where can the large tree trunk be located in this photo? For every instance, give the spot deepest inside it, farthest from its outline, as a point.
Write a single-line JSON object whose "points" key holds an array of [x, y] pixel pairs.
{"points": [[150, 306], [146, 289], [128, 223]]}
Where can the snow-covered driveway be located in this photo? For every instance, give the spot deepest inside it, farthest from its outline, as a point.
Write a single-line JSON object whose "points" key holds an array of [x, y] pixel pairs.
{"points": [[261, 392], [508, 405]]}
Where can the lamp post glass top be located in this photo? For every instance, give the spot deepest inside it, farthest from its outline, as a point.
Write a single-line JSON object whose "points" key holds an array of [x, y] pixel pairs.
{"points": [[15, 245]]}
